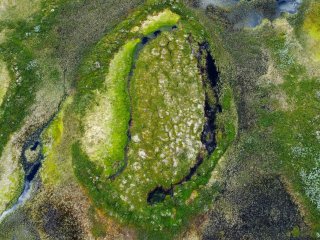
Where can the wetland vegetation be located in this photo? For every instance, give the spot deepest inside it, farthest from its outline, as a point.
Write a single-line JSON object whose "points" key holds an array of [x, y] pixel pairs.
{"points": [[159, 119]]}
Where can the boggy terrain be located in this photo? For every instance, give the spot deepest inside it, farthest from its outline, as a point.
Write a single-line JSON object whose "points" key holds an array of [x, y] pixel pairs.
{"points": [[152, 136], [159, 120]]}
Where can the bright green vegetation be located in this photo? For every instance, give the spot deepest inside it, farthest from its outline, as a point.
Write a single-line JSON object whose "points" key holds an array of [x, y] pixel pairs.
{"points": [[136, 117], [166, 96], [52, 139], [295, 232], [312, 26], [312, 22], [106, 124], [153, 23], [33, 50]]}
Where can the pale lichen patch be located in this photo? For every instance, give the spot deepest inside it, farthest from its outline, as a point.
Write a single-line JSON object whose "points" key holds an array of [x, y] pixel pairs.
{"points": [[11, 175], [156, 21], [4, 80], [272, 76]]}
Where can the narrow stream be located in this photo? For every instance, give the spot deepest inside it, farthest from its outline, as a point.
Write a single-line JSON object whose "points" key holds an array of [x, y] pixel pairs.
{"points": [[159, 193], [31, 168], [25, 195]]}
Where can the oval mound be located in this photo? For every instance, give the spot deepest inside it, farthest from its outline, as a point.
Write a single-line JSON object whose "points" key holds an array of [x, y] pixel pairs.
{"points": [[154, 119]]}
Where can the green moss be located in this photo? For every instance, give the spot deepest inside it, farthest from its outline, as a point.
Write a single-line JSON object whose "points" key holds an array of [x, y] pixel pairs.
{"points": [[125, 196], [50, 171], [105, 143], [52, 138], [167, 118], [294, 135], [312, 21], [98, 228], [311, 26], [295, 232]]}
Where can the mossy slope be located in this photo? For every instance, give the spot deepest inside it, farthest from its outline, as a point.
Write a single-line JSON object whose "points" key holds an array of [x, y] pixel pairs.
{"points": [[106, 125]]}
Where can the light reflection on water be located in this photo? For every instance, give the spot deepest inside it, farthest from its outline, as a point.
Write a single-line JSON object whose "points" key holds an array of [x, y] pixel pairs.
{"points": [[254, 17], [21, 200], [289, 6]]}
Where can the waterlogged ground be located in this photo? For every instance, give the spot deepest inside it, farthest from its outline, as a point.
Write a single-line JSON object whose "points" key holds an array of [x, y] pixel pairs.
{"points": [[159, 119]]}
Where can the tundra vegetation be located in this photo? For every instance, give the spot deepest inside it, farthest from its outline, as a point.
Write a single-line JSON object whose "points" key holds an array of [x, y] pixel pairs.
{"points": [[148, 114], [158, 108]]}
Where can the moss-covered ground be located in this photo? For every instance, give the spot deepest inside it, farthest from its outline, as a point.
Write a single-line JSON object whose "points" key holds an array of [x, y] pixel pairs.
{"points": [[276, 91], [39, 74], [311, 26], [296, 125], [167, 96], [107, 124], [167, 122], [141, 102]]}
